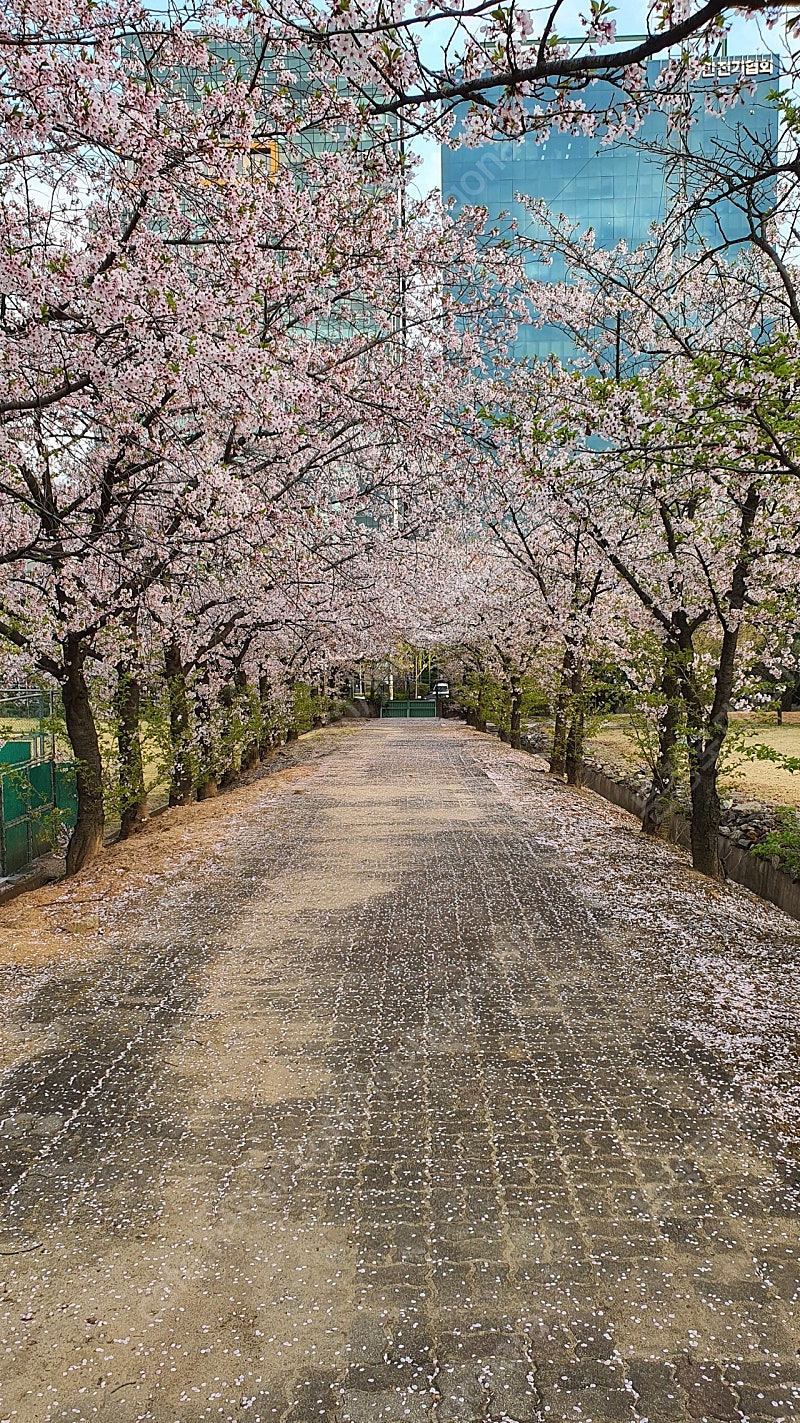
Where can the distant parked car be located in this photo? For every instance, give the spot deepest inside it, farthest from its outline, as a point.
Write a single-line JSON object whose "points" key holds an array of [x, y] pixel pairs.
{"points": [[442, 689]]}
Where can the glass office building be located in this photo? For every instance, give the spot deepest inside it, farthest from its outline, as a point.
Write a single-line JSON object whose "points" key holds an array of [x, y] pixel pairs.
{"points": [[247, 60], [619, 189]]}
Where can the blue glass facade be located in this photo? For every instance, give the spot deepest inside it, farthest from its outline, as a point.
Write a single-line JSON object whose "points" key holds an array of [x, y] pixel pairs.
{"points": [[619, 190]]}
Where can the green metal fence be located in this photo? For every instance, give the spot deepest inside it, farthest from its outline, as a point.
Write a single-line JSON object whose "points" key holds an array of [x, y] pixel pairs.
{"points": [[409, 709], [37, 793], [27, 718]]}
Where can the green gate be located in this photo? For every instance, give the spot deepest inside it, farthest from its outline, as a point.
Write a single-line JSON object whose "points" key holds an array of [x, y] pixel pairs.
{"points": [[38, 794], [409, 709]]}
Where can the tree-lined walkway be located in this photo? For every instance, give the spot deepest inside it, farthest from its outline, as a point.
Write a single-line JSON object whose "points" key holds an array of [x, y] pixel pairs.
{"points": [[450, 1102]]}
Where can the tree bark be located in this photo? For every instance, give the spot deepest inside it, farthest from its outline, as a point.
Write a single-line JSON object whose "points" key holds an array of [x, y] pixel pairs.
{"points": [[265, 735], [709, 735], [228, 697], [180, 791], [251, 754], [127, 705], [705, 737], [706, 813], [86, 841], [573, 755], [516, 718], [558, 751], [481, 709], [703, 746], [661, 799], [705, 741], [206, 757]]}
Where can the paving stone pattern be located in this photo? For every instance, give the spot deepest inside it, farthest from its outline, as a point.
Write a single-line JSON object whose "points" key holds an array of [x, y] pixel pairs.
{"points": [[389, 1131]]}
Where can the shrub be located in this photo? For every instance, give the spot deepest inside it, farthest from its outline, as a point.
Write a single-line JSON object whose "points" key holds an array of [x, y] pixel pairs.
{"points": [[782, 843]]}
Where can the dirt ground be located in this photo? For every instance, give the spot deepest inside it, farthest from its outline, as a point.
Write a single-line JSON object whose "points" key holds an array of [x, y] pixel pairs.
{"points": [[59, 922], [405, 1084], [616, 745]]}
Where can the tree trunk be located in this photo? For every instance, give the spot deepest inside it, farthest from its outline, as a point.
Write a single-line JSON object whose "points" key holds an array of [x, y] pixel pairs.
{"points": [[516, 718], [704, 743], [180, 791], [661, 799], [705, 749], [481, 709], [228, 699], [558, 751], [705, 740], [251, 755], [573, 756], [207, 759], [321, 704], [265, 736], [705, 822], [127, 705], [573, 759], [705, 737], [86, 841]]}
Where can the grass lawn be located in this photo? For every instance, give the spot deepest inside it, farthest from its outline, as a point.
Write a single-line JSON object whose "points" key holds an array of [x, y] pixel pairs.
{"points": [[156, 783], [614, 743]]}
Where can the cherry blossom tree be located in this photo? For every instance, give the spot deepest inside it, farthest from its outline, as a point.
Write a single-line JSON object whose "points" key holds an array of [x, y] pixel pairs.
{"points": [[509, 65], [212, 364], [246, 375], [677, 448], [567, 584]]}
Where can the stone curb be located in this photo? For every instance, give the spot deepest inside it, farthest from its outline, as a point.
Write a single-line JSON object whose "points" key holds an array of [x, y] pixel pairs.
{"points": [[760, 876], [738, 864]]}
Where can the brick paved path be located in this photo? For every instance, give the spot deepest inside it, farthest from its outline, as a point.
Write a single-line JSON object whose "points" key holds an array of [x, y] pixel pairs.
{"points": [[411, 1120]]}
